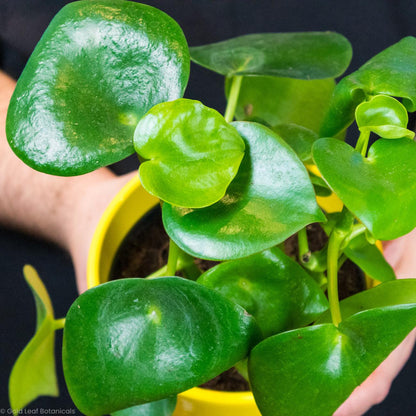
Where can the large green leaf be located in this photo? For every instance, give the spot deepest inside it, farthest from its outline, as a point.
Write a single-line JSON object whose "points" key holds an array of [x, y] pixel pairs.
{"points": [[98, 68], [369, 259], [391, 72], [270, 286], [34, 372], [380, 189], [391, 293], [132, 341], [270, 199], [311, 371], [164, 407], [284, 100], [302, 55], [192, 153]]}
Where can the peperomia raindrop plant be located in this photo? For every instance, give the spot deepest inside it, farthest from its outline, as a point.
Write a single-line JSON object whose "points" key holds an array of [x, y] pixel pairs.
{"points": [[107, 80]]}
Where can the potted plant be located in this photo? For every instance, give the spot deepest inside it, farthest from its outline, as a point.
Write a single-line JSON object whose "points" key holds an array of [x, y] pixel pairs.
{"points": [[105, 80]]}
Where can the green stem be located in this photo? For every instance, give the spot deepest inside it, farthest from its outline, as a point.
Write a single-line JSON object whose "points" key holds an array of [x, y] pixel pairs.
{"points": [[303, 246], [59, 323], [362, 142], [233, 98], [173, 255], [357, 230], [158, 273], [334, 245]]}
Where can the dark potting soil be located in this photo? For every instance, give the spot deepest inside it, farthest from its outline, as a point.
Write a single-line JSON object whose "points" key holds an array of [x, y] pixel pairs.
{"points": [[145, 250]]}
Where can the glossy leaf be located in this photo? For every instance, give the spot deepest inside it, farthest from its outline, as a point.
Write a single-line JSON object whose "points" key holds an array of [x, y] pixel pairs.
{"points": [[395, 292], [302, 55], [192, 153], [270, 199], [369, 259], [378, 189], [164, 407], [98, 68], [391, 72], [270, 286], [132, 341], [284, 100], [311, 371], [299, 138], [384, 116], [34, 372]]}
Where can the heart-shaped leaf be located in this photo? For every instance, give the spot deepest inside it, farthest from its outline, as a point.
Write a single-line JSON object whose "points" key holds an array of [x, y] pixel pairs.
{"points": [[164, 407], [311, 371], [99, 67], [270, 286], [193, 153], [391, 293], [369, 259], [380, 189], [284, 100], [270, 199], [132, 341], [384, 116], [34, 373], [391, 72], [302, 55]]}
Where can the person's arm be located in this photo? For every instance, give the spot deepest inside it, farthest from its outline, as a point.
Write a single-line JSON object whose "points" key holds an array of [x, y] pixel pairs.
{"points": [[64, 210]]}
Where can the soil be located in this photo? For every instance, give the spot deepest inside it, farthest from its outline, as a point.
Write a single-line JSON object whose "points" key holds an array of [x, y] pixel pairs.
{"points": [[145, 249]]}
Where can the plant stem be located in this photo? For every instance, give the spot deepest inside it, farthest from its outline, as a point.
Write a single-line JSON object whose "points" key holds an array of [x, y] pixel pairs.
{"points": [[334, 245], [362, 142], [59, 323], [233, 98], [158, 273], [357, 230], [173, 255], [303, 245]]}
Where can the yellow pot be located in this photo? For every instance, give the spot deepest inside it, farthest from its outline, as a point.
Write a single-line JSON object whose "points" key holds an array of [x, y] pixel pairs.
{"points": [[130, 204]]}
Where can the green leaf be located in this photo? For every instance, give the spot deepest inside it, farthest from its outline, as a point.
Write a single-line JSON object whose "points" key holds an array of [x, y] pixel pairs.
{"points": [[284, 100], [303, 55], [270, 286], [192, 153], [391, 72], [392, 293], [384, 116], [380, 189], [132, 341], [270, 199], [320, 186], [312, 371], [98, 68], [299, 138], [369, 259], [34, 372], [164, 407]]}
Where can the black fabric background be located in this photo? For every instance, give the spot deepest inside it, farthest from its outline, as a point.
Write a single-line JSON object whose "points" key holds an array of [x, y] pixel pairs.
{"points": [[370, 25]]}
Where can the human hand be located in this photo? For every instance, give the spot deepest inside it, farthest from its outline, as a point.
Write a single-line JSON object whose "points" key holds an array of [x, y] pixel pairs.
{"points": [[93, 197], [400, 254]]}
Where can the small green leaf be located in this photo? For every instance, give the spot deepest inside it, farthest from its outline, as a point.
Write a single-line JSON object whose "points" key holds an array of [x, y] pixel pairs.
{"points": [[34, 372], [284, 101], [270, 286], [369, 259], [379, 189], [384, 116], [192, 153], [320, 186], [303, 55], [132, 341], [98, 68], [391, 72], [164, 407], [270, 199], [390, 293], [311, 371], [299, 138]]}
